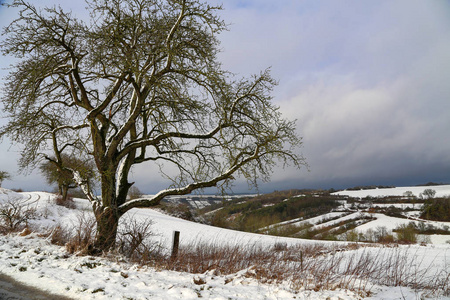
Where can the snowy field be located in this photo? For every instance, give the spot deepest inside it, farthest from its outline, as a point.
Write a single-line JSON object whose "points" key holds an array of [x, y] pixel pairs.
{"points": [[441, 191], [380, 220], [300, 221], [35, 261], [392, 222]]}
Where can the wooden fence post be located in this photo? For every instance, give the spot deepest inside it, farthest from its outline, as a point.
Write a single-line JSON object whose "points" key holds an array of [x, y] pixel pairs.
{"points": [[175, 244]]}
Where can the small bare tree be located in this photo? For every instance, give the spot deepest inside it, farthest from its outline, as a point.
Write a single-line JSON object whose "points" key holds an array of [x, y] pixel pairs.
{"points": [[429, 193], [409, 195]]}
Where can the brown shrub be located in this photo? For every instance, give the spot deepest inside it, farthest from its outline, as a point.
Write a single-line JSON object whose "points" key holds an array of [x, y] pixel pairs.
{"points": [[68, 202], [75, 238], [15, 215], [133, 240]]}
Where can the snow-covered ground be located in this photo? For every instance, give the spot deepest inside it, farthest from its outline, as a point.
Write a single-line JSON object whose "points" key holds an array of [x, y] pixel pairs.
{"points": [[392, 222], [35, 261], [300, 221], [164, 226], [441, 191]]}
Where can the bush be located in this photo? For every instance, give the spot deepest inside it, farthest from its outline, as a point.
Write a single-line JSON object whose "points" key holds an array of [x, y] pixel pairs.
{"points": [[180, 210], [78, 236], [15, 215], [59, 236], [133, 240], [85, 228], [351, 236], [68, 202], [254, 223], [288, 230], [219, 219], [382, 236], [386, 239], [406, 233]]}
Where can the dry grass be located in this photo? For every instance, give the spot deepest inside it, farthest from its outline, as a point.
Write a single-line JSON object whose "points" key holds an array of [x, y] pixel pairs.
{"points": [[354, 267], [134, 240], [75, 238], [315, 267]]}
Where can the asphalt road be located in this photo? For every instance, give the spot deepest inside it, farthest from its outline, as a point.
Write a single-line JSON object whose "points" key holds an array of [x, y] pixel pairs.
{"points": [[13, 290]]}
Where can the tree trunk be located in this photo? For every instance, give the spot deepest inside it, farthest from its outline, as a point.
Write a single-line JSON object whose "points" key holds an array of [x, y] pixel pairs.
{"points": [[107, 223], [64, 192]]}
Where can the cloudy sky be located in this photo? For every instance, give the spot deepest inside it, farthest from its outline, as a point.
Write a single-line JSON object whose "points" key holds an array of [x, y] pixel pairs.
{"points": [[367, 81]]}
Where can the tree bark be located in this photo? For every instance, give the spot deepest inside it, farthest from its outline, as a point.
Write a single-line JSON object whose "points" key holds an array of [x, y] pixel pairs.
{"points": [[107, 214], [64, 192], [107, 224]]}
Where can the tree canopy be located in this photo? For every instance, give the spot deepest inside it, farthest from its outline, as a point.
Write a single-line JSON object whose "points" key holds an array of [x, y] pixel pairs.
{"points": [[140, 82], [4, 176]]}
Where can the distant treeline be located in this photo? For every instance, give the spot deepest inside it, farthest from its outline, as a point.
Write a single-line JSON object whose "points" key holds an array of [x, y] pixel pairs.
{"points": [[432, 184], [370, 187]]}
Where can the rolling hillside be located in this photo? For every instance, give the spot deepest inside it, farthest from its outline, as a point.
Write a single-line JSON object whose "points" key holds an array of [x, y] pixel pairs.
{"points": [[265, 267]]}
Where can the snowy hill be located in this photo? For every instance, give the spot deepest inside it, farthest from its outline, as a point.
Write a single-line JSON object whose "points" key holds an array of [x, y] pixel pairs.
{"points": [[35, 261], [441, 191]]}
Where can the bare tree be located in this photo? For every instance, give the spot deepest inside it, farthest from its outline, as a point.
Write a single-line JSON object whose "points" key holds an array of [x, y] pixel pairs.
{"points": [[429, 193], [408, 194], [140, 83], [4, 176]]}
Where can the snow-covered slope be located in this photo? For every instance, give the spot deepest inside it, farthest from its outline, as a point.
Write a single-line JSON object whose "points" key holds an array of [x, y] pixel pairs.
{"points": [[33, 260], [8, 195], [190, 232]]}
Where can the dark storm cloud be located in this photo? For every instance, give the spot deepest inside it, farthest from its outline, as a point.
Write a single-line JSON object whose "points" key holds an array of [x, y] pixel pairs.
{"points": [[367, 81]]}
